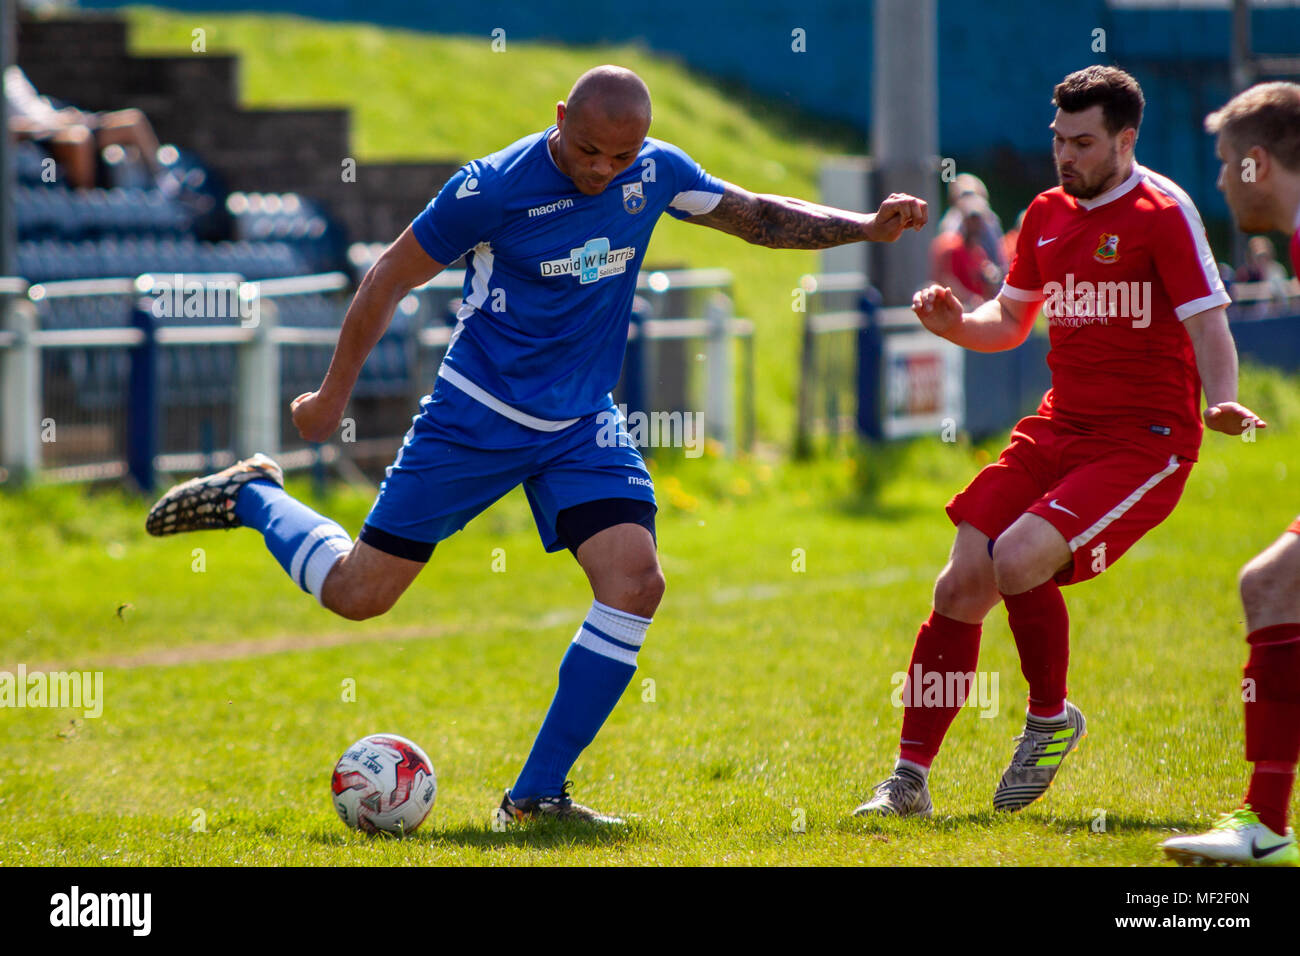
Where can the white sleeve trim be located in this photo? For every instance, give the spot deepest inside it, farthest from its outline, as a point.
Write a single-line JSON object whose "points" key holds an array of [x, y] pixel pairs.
{"points": [[1020, 295], [696, 202], [1189, 309]]}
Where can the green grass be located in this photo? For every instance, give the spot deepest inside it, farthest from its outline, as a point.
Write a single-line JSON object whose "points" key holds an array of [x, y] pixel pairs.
{"points": [[425, 96], [771, 687]]}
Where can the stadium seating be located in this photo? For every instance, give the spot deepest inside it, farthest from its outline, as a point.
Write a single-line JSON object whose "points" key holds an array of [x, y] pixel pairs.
{"points": [[188, 224], [49, 260], [127, 230]]}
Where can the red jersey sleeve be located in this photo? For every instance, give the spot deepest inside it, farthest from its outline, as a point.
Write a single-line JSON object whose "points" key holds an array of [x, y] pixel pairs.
{"points": [[1185, 262], [1023, 282]]}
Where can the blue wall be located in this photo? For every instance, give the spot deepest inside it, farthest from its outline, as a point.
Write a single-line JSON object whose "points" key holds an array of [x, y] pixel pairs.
{"points": [[997, 62]]}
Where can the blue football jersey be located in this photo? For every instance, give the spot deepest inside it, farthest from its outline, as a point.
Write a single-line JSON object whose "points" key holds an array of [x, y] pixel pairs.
{"points": [[551, 272]]}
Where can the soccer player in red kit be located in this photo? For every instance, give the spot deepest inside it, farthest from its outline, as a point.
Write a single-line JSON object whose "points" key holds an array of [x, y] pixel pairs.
{"points": [[1259, 145], [1118, 257]]}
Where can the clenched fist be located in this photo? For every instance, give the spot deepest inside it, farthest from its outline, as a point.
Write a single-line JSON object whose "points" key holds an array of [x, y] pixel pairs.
{"points": [[900, 211], [938, 309], [314, 418]]}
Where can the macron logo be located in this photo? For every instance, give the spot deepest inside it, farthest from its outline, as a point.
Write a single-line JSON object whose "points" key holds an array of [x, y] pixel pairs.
{"points": [[550, 207]]}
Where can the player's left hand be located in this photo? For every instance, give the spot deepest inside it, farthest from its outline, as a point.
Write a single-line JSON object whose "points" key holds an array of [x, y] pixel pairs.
{"points": [[1231, 418], [897, 213]]}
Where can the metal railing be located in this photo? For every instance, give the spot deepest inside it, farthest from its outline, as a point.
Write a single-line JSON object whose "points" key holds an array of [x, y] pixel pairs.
{"points": [[868, 369], [878, 369], [1261, 300], [99, 382]]}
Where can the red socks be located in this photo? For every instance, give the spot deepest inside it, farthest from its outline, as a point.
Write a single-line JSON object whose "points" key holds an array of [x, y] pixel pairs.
{"points": [[1272, 704], [1041, 626], [944, 646]]}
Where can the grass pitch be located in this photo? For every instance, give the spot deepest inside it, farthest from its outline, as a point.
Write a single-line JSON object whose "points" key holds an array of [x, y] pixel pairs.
{"points": [[767, 718]]}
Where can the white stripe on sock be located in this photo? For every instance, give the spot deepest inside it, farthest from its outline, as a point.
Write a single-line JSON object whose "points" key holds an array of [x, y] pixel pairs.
{"points": [[584, 638], [322, 562], [620, 625], [326, 529], [912, 765], [1058, 718]]}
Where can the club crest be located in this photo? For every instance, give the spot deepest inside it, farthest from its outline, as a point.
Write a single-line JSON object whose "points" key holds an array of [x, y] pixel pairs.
{"points": [[633, 197], [1107, 248]]}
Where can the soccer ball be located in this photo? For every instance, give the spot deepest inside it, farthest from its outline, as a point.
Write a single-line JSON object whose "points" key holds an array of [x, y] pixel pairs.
{"points": [[383, 783]]}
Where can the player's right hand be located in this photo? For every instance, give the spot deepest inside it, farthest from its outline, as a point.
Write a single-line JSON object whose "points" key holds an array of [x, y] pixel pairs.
{"points": [[314, 419], [938, 309]]}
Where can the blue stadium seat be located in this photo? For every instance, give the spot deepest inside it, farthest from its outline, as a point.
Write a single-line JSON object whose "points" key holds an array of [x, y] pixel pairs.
{"points": [[29, 163]]}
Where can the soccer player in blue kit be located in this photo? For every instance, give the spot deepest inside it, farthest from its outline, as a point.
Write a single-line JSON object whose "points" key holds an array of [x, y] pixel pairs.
{"points": [[554, 228]]}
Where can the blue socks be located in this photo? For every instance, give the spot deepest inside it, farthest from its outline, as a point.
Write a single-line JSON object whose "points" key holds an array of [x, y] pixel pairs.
{"points": [[593, 675], [305, 543]]}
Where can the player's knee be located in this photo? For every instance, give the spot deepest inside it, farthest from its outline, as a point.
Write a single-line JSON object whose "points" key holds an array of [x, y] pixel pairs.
{"points": [[354, 603], [352, 608], [639, 591], [1014, 567], [962, 593], [1261, 584], [649, 588]]}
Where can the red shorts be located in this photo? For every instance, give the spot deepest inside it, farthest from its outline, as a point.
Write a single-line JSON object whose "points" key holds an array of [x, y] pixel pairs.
{"points": [[1100, 493]]}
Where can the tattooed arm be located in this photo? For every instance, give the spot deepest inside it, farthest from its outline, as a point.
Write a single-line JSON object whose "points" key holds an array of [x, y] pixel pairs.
{"points": [[782, 222]]}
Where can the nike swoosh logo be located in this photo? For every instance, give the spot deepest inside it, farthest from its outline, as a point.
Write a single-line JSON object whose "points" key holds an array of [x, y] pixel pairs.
{"points": [[1260, 854], [1043, 242], [1053, 504]]}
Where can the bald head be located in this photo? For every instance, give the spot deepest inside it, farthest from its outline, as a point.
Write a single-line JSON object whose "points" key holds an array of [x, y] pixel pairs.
{"points": [[601, 127], [610, 93]]}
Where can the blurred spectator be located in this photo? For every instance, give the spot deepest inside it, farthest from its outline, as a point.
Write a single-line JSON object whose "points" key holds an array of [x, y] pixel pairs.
{"points": [[971, 188], [958, 259], [72, 136], [1261, 267]]}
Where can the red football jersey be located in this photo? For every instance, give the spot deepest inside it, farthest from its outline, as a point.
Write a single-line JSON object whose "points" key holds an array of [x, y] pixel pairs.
{"points": [[1295, 253], [1117, 275]]}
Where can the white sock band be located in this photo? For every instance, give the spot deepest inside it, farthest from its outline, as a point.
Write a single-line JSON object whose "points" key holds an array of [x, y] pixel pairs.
{"points": [[612, 633], [321, 559], [913, 766]]}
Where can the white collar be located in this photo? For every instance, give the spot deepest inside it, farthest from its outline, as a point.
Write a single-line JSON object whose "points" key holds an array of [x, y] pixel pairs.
{"points": [[1113, 194]]}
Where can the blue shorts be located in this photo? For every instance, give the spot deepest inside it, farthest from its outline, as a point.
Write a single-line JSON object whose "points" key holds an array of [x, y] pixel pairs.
{"points": [[460, 456]]}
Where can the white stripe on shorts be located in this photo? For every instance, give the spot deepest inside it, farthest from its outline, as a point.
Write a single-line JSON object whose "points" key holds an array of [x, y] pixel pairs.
{"points": [[501, 408], [1122, 508]]}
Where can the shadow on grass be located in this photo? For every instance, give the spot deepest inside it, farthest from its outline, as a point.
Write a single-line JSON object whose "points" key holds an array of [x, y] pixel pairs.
{"points": [[994, 820], [541, 835]]}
